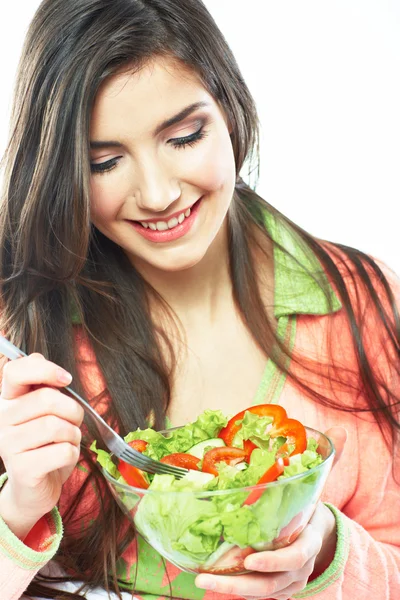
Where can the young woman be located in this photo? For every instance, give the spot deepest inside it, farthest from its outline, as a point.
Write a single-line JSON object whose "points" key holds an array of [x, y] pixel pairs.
{"points": [[134, 256]]}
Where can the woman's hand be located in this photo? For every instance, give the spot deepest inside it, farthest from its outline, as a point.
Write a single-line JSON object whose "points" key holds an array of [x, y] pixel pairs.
{"points": [[39, 439], [279, 574]]}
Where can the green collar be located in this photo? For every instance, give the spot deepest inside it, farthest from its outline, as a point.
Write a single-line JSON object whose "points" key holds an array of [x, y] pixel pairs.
{"points": [[301, 285]]}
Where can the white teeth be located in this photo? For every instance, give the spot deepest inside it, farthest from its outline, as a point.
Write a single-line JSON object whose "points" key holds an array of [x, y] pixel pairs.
{"points": [[162, 226], [172, 223]]}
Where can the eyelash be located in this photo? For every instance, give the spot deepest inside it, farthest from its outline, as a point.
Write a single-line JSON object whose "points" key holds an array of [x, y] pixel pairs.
{"points": [[179, 143]]}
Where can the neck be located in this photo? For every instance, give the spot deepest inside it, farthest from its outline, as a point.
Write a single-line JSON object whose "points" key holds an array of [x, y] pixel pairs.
{"points": [[200, 293]]}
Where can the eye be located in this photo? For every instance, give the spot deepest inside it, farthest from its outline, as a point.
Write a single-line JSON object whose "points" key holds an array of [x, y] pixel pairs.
{"points": [[104, 167], [188, 140]]}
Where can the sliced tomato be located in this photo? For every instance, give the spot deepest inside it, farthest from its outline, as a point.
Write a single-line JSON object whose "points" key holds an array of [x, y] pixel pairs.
{"points": [[131, 474], [139, 445], [271, 474], [225, 454], [181, 459], [278, 414]]}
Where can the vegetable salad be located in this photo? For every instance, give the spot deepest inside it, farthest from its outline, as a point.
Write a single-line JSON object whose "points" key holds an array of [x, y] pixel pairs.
{"points": [[259, 445]]}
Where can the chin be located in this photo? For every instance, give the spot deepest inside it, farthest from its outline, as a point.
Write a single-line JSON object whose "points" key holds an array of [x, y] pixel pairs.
{"points": [[181, 264]]}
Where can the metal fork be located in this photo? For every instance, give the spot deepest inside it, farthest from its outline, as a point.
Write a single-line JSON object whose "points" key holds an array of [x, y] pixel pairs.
{"points": [[110, 437]]}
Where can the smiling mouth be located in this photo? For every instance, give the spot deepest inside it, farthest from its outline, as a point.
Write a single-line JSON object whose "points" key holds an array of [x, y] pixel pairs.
{"points": [[170, 223]]}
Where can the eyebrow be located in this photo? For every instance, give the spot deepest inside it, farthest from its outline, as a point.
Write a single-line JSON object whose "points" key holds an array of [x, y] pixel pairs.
{"points": [[180, 116]]}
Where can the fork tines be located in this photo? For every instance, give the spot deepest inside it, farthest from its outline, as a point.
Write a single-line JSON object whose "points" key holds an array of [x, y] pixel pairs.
{"points": [[151, 466]]}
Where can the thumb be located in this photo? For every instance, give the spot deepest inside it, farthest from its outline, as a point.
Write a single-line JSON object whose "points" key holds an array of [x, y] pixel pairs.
{"points": [[338, 436]]}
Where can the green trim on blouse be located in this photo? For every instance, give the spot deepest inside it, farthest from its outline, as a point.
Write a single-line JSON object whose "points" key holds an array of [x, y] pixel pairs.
{"points": [[301, 285], [20, 554], [336, 568]]}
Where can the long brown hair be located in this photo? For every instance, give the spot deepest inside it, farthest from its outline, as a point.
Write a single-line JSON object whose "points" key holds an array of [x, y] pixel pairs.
{"points": [[52, 258]]}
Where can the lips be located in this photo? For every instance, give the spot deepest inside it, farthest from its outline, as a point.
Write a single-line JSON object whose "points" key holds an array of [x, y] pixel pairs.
{"points": [[169, 223], [160, 231]]}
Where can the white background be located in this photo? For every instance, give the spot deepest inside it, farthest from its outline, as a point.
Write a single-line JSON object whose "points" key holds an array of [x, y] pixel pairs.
{"points": [[326, 79]]}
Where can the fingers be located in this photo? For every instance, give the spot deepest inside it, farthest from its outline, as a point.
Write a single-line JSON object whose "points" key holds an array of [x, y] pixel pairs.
{"points": [[32, 466], [291, 558], [39, 403], [36, 433], [256, 584], [19, 375], [338, 435], [259, 585]]}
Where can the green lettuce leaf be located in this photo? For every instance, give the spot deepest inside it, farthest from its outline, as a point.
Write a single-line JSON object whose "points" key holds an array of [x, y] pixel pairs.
{"points": [[206, 426], [105, 460], [241, 527], [179, 523]]}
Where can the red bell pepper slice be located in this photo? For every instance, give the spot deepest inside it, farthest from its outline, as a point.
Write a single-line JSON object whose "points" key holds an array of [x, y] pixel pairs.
{"points": [[181, 459], [131, 474], [295, 434], [248, 447], [226, 454], [293, 430], [271, 474], [275, 411]]}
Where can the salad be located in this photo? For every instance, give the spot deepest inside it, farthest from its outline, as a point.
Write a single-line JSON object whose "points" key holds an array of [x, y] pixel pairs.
{"points": [[200, 518]]}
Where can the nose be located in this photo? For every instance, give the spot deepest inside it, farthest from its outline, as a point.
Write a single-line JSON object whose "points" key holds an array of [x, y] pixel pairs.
{"points": [[155, 188]]}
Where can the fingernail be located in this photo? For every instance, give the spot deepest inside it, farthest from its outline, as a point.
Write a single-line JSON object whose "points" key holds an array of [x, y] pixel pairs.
{"points": [[206, 583], [64, 376]]}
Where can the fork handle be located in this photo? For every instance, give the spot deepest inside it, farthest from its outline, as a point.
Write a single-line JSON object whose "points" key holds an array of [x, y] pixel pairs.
{"points": [[9, 350]]}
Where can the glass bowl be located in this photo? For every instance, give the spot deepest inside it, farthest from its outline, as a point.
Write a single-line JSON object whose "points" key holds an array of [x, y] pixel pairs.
{"points": [[185, 526]]}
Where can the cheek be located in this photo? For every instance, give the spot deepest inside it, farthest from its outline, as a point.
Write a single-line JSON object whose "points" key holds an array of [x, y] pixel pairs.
{"points": [[106, 199], [215, 169]]}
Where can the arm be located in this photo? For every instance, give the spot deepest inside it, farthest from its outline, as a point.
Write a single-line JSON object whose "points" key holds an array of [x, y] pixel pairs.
{"points": [[38, 460], [367, 558], [21, 560]]}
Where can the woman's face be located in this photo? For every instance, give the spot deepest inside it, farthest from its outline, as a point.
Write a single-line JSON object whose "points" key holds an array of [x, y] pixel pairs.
{"points": [[163, 169]]}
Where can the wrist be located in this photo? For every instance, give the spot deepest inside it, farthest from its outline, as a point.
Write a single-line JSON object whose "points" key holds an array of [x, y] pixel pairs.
{"points": [[16, 519]]}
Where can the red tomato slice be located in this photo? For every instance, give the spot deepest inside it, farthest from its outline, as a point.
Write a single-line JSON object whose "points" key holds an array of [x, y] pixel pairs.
{"points": [[226, 454], [131, 474], [181, 459], [270, 475], [139, 445]]}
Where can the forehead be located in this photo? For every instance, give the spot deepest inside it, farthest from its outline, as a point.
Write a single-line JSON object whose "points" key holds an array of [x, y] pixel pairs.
{"points": [[141, 99]]}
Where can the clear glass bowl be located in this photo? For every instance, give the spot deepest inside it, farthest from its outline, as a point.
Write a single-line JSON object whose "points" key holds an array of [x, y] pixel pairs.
{"points": [[165, 519]]}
